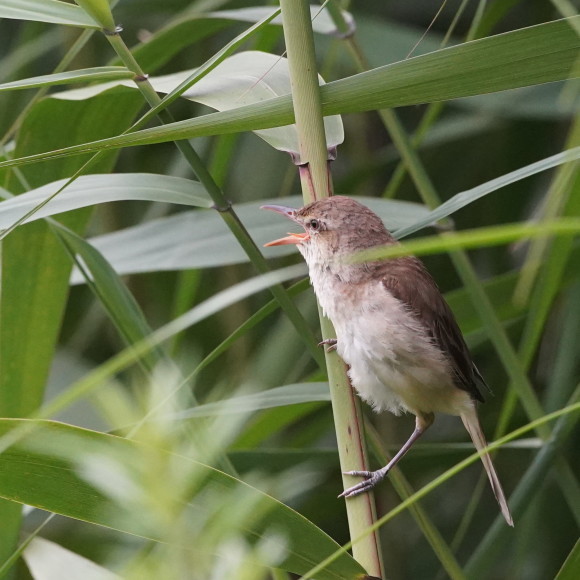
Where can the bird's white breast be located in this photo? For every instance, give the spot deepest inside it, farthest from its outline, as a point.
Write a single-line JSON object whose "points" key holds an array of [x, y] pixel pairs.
{"points": [[394, 364]]}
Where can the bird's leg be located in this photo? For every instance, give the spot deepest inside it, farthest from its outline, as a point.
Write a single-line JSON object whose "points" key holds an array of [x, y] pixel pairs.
{"points": [[330, 342], [422, 422]]}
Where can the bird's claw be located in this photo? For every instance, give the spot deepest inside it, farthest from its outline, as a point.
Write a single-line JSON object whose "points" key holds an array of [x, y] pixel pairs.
{"points": [[331, 342], [371, 478]]}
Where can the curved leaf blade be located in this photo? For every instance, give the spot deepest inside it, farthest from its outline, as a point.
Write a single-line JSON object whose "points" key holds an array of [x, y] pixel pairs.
{"points": [[49, 453], [89, 190], [464, 198], [528, 56], [241, 79], [116, 299], [86, 75], [99, 11], [51, 11], [269, 399], [571, 566], [47, 560]]}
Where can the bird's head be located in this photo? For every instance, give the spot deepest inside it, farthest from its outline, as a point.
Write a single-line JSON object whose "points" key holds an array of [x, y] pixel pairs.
{"points": [[333, 227]]}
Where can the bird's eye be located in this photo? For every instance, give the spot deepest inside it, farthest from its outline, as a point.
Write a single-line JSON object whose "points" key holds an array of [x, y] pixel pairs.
{"points": [[314, 224]]}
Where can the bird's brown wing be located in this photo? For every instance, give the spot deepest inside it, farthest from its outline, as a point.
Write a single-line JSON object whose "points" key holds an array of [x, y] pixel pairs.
{"points": [[408, 281]]}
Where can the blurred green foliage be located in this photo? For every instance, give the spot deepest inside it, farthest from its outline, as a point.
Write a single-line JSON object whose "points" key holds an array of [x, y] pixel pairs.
{"points": [[56, 341]]}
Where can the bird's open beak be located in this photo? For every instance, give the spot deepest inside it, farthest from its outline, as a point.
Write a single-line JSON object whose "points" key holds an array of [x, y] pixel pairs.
{"points": [[290, 213]]}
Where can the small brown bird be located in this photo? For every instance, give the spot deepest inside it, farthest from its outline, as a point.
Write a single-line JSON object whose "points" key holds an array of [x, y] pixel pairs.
{"points": [[393, 327]]}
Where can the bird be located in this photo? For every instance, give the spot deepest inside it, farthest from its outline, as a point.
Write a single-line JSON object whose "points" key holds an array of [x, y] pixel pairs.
{"points": [[404, 349]]}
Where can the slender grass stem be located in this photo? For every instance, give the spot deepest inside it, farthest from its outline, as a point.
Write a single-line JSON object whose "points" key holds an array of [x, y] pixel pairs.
{"points": [[221, 204], [317, 184]]}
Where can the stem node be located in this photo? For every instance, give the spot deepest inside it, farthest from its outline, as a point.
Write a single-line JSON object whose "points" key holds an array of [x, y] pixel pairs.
{"points": [[223, 209], [115, 32]]}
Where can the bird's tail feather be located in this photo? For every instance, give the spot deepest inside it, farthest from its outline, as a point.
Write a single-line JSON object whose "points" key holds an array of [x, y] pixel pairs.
{"points": [[471, 422]]}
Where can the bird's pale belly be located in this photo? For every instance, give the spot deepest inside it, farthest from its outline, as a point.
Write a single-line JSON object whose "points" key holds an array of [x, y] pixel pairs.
{"points": [[391, 372]]}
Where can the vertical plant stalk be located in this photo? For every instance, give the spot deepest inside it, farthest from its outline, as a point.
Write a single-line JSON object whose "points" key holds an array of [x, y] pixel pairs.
{"points": [[317, 184]]}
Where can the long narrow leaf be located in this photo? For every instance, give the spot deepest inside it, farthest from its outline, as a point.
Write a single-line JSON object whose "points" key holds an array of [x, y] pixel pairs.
{"points": [[277, 397], [481, 237], [113, 294], [35, 269], [86, 75], [571, 566], [47, 560], [467, 197], [51, 11], [525, 57], [89, 190]]}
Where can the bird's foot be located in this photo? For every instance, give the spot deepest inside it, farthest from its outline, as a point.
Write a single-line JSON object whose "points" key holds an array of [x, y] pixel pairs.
{"points": [[371, 478], [330, 342]]}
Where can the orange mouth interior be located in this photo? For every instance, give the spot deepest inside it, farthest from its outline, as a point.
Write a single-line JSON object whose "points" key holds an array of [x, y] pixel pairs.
{"points": [[290, 239]]}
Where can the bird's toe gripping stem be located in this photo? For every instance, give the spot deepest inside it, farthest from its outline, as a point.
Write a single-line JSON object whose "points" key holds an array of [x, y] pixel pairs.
{"points": [[330, 343], [371, 478]]}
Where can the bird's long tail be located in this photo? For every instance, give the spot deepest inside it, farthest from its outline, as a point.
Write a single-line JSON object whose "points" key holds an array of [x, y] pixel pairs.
{"points": [[471, 422]]}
